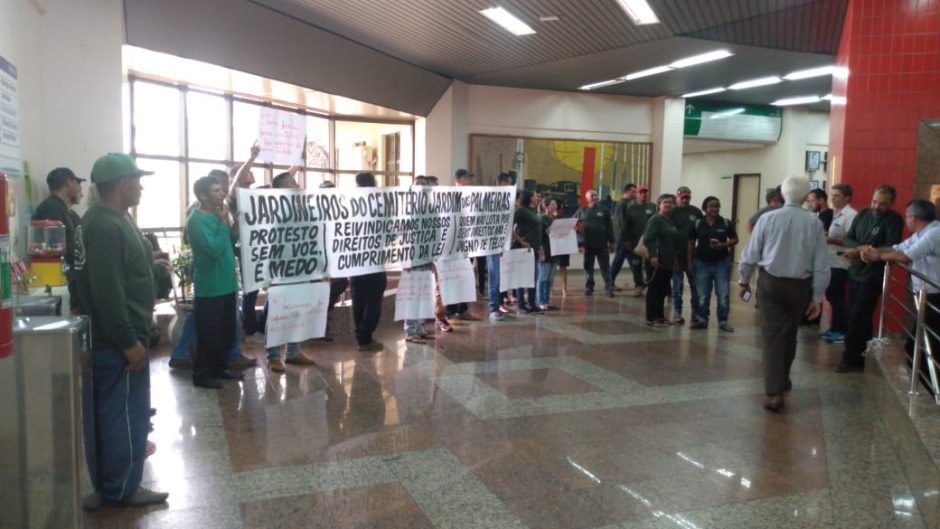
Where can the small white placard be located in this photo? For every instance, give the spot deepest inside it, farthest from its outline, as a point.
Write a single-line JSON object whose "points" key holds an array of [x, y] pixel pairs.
{"points": [[296, 313], [455, 277], [415, 297], [517, 269]]}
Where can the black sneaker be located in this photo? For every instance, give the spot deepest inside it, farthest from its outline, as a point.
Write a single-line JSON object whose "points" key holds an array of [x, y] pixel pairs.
{"points": [[699, 325], [231, 375], [588, 292], [181, 363]]}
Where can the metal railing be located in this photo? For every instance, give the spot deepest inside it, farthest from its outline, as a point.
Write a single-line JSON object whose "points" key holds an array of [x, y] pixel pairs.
{"points": [[921, 332]]}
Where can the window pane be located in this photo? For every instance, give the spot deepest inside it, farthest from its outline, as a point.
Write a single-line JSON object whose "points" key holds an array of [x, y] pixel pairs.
{"points": [[315, 178], [374, 147], [160, 201], [156, 119], [318, 142], [208, 126], [245, 125]]}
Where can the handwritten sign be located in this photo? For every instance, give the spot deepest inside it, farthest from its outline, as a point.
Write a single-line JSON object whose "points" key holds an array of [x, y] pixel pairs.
{"points": [[517, 269], [415, 297], [282, 136], [455, 278], [562, 236], [296, 313]]}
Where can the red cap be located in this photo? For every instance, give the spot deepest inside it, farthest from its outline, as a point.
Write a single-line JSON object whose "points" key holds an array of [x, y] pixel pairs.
{"points": [[640, 189]]}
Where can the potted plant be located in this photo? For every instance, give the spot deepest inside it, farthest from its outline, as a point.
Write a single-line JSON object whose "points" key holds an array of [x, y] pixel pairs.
{"points": [[183, 270]]}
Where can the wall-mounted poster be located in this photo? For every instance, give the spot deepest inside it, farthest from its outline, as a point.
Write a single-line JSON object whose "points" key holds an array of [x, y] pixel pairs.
{"points": [[813, 160]]}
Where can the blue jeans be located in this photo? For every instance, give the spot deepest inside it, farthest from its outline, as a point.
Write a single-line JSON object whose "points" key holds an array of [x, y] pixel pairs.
{"points": [[116, 420], [521, 292], [493, 295], [187, 339], [293, 349], [678, 280], [546, 275], [717, 274]]}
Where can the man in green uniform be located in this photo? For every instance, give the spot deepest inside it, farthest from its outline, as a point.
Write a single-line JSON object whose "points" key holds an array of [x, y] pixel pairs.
{"points": [[622, 246], [113, 278], [598, 231], [638, 215], [684, 216], [215, 283], [876, 226], [65, 191]]}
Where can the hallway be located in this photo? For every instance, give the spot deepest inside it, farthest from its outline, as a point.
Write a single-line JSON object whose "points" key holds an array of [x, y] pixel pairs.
{"points": [[583, 418]]}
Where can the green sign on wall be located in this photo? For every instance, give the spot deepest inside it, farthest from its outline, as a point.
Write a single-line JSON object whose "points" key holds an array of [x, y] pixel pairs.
{"points": [[727, 121]]}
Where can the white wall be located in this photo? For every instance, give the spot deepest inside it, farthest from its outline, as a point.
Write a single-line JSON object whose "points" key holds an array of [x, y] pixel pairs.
{"points": [[69, 62], [712, 173], [466, 109]]}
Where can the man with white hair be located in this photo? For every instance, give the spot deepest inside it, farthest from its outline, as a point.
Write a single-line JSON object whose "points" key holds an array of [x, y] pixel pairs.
{"points": [[789, 247]]}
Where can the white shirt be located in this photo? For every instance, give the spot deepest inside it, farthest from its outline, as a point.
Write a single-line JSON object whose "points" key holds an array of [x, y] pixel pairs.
{"points": [[841, 223], [923, 249], [788, 243]]}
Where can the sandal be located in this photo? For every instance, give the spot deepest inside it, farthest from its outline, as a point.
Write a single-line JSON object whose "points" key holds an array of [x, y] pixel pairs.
{"points": [[426, 336], [413, 338]]}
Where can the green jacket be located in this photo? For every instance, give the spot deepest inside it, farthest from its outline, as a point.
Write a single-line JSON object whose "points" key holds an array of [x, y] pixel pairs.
{"points": [[213, 258], [529, 227], [868, 228], [114, 279], [639, 215], [596, 226], [683, 218], [622, 220], [662, 240]]}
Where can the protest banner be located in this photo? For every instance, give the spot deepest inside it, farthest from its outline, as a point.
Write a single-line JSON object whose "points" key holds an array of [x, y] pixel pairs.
{"points": [[455, 278], [414, 299], [281, 236], [281, 136], [517, 269], [296, 313], [293, 234], [562, 236]]}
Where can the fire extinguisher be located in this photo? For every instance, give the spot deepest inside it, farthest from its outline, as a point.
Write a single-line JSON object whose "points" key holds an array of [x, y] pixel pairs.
{"points": [[6, 278]]}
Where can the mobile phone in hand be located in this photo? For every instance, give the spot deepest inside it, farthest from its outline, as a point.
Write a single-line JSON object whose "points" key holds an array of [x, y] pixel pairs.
{"points": [[746, 297]]}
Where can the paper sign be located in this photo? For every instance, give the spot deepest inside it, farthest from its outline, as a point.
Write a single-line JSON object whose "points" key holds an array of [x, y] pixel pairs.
{"points": [[282, 136], [455, 278], [296, 313], [562, 237], [517, 269], [415, 297]]}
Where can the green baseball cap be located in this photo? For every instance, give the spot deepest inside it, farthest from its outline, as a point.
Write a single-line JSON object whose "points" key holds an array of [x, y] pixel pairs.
{"points": [[115, 166]]}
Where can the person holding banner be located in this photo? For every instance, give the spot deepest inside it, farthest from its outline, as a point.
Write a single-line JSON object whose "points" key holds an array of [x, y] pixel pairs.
{"points": [[215, 284], [563, 261], [598, 230], [528, 234], [414, 328], [461, 311], [494, 297], [662, 240], [367, 293], [243, 178], [546, 264]]}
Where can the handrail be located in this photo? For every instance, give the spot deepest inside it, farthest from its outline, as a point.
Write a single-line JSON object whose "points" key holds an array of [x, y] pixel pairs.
{"points": [[922, 343]]}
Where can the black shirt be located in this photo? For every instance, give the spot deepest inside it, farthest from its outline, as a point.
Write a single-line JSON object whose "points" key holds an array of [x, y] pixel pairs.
{"points": [[826, 218], [702, 233]]}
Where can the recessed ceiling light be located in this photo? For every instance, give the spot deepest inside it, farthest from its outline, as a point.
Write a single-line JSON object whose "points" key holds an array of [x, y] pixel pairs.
{"points": [[704, 92], [763, 81], [639, 11], [835, 100], [601, 84], [508, 21], [548, 18], [646, 73], [699, 59], [802, 100], [812, 72]]}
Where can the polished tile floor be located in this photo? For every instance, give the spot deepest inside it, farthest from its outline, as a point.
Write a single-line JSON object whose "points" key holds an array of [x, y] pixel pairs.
{"points": [[582, 418]]}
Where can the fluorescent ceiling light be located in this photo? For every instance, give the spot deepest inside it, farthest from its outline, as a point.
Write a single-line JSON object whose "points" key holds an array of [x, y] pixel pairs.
{"points": [[727, 113], [699, 59], [812, 72], [508, 21], [601, 84], [646, 73], [763, 81], [835, 100], [639, 11], [704, 92], [802, 100]]}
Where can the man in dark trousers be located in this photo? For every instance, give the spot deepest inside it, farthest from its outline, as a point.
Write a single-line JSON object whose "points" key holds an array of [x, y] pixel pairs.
{"points": [[876, 226], [65, 191], [638, 214], [684, 216], [114, 281], [367, 293], [598, 231], [789, 248], [215, 284], [622, 246]]}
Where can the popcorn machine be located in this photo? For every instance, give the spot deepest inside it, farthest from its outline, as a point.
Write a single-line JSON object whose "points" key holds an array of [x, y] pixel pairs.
{"points": [[47, 252]]}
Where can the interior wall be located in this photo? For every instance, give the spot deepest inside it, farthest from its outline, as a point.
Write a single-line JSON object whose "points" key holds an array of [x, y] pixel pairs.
{"points": [[711, 173], [466, 109]]}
